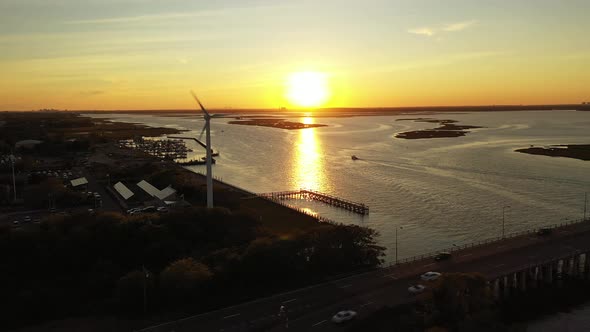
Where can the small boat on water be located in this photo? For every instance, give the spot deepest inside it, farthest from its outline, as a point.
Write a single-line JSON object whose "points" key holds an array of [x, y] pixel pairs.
{"points": [[353, 157]]}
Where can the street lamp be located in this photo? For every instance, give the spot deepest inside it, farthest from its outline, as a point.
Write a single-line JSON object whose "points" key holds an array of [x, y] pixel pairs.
{"points": [[396, 229], [504, 217]]}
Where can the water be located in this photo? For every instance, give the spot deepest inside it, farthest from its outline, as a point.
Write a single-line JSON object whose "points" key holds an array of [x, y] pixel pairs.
{"points": [[436, 192]]}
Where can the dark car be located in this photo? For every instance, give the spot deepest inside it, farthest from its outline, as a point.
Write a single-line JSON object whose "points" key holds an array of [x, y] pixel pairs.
{"points": [[441, 256], [544, 231]]}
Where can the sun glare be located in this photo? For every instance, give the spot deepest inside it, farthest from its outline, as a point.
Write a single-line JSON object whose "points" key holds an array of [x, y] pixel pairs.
{"points": [[307, 89]]}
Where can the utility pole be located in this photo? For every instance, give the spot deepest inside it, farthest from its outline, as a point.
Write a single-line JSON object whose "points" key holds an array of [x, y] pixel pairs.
{"points": [[504, 217], [396, 228], [585, 205], [146, 275], [13, 159]]}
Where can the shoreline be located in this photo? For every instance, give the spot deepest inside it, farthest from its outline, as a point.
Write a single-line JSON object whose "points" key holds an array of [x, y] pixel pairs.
{"points": [[574, 151], [446, 129]]}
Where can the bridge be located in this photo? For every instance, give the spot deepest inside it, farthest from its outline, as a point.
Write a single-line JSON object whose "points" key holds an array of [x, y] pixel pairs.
{"points": [[320, 197], [521, 260]]}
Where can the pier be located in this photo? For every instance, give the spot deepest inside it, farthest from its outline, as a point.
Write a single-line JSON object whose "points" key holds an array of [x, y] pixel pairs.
{"points": [[321, 197]]}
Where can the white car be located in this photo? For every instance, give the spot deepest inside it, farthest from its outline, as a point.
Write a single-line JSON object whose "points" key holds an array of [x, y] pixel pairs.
{"points": [[416, 289], [429, 276], [343, 316]]}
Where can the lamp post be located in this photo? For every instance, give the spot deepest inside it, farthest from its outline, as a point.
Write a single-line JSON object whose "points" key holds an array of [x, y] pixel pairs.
{"points": [[396, 229], [504, 217], [13, 159], [585, 205], [146, 275]]}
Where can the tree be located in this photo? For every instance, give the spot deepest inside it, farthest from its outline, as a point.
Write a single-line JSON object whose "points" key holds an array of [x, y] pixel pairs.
{"points": [[185, 278]]}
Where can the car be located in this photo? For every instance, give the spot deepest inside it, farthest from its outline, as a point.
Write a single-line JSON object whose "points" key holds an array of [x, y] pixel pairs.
{"points": [[27, 219], [416, 289], [37, 220], [16, 222], [429, 276], [162, 209], [149, 209], [441, 256], [52, 210], [90, 211], [343, 316], [544, 231], [133, 210]]}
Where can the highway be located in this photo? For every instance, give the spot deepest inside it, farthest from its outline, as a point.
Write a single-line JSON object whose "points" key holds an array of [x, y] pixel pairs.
{"points": [[311, 308]]}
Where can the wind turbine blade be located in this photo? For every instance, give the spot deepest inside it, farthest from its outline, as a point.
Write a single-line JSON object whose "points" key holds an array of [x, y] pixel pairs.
{"points": [[202, 131], [199, 102]]}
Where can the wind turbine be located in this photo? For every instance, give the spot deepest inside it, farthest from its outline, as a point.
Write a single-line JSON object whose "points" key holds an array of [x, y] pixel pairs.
{"points": [[207, 130]]}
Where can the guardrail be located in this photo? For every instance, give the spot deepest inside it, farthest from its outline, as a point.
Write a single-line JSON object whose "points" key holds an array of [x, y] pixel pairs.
{"points": [[481, 243]]}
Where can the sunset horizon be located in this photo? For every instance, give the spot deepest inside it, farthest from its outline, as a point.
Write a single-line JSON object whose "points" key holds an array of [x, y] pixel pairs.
{"points": [[147, 55]]}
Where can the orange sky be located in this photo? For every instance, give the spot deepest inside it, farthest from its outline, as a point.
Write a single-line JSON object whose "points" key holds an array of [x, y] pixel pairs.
{"points": [[121, 55]]}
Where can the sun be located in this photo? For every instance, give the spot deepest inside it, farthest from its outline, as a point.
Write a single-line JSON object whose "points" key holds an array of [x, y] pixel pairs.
{"points": [[307, 89]]}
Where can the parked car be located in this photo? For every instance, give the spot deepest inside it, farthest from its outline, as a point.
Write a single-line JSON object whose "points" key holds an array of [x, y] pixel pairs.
{"points": [[544, 231], [90, 211], [149, 209], [441, 256], [416, 289], [429, 276], [16, 223], [343, 316], [162, 209], [27, 219]]}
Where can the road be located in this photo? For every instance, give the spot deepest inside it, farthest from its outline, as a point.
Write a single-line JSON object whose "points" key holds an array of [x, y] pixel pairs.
{"points": [[311, 308]]}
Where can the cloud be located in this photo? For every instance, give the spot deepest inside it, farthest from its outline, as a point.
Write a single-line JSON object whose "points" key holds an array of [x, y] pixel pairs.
{"points": [[458, 26], [176, 15], [451, 27], [423, 31]]}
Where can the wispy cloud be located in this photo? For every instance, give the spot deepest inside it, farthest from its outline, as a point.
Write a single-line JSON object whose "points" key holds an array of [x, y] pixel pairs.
{"points": [[451, 27], [423, 31], [141, 18], [175, 15]]}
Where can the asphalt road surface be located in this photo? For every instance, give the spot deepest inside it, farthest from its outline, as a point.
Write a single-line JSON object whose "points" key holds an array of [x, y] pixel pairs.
{"points": [[312, 308]]}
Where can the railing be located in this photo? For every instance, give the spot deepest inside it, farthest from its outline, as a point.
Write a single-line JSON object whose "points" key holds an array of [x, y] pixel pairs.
{"points": [[480, 243]]}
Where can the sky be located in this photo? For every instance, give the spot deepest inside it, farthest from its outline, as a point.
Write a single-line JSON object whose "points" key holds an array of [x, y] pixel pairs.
{"points": [[148, 54]]}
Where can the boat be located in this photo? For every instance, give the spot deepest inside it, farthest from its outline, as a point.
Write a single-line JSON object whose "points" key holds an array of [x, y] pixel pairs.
{"points": [[353, 157]]}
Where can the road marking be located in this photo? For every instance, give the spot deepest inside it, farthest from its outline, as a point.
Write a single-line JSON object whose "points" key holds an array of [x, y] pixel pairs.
{"points": [[366, 304], [345, 286], [230, 316], [499, 265], [291, 300], [318, 323]]}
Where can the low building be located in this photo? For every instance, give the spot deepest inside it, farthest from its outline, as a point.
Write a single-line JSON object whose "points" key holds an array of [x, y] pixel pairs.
{"points": [[79, 183]]}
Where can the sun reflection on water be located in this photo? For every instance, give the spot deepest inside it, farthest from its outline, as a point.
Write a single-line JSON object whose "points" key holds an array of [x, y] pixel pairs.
{"points": [[308, 172]]}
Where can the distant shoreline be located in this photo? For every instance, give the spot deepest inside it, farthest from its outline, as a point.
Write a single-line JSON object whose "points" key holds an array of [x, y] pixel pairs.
{"points": [[446, 129], [575, 151], [365, 111]]}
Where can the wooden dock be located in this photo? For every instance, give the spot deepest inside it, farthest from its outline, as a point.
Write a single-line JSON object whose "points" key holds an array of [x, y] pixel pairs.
{"points": [[321, 197]]}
